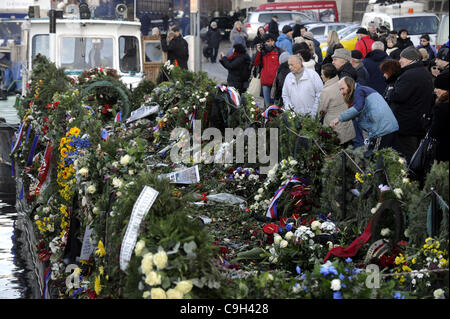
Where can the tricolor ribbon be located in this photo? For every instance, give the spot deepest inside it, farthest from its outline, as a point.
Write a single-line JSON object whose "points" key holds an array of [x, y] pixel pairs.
{"points": [[223, 88], [265, 114], [47, 274], [19, 137], [28, 134], [193, 115], [272, 211], [118, 117], [234, 95], [45, 166], [33, 149], [21, 193]]}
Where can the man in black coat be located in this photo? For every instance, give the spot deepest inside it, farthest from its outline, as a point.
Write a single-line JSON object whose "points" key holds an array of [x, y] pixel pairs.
{"points": [[410, 98], [403, 41], [273, 27], [372, 63], [177, 49], [361, 71], [213, 38]]}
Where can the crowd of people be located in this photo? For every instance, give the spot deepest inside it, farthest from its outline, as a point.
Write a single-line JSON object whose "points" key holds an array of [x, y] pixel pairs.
{"points": [[384, 93]]}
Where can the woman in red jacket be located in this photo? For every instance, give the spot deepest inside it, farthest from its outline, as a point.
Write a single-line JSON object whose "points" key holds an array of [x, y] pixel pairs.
{"points": [[267, 59]]}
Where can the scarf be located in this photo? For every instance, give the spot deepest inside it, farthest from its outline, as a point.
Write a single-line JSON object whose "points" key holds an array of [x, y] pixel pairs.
{"points": [[233, 56]]}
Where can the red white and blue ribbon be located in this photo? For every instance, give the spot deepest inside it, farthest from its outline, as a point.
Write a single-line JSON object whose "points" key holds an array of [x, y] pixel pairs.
{"points": [[33, 149], [118, 117], [193, 115], [265, 114], [234, 95], [47, 274], [19, 137], [272, 211]]}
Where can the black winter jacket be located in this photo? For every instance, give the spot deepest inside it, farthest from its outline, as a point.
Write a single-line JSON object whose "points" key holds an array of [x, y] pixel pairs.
{"points": [[273, 28], [411, 98], [213, 38], [402, 44], [177, 50], [439, 130], [372, 63], [238, 75], [283, 71], [347, 70]]}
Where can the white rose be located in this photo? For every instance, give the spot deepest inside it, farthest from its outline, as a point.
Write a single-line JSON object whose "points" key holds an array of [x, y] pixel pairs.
{"points": [[293, 162], [158, 293], [270, 277], [385, 232], [289, 235], [405, 180], [146, 294], [160, 259], [91, 189], [260, 191], [147, 263], [398, 192], [184, 286], [83, 172], [153, 279], [277, 239], [140, 245], [439, 294], [95, 210], [174, 294], [315, 225], [257, 197], [283, 244], [115, 164], [336, 284], [117, 182]]}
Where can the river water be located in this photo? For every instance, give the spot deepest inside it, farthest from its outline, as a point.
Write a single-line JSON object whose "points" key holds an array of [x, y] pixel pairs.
{"points": [[13, 282]]}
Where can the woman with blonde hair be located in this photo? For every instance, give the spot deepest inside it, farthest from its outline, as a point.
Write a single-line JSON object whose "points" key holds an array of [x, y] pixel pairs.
{"points": [[333, 39], [238, 31]]}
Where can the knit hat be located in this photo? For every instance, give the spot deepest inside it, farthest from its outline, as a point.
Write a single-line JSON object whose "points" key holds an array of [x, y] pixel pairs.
{"points": [[441, 81], [287, 29], [411, 53], [356, 54], [343, 54], [362, 31], [443, 54], [308, 36], [284, 57]]}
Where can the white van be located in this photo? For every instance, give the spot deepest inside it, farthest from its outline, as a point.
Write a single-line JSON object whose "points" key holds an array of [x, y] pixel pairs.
{"points": [[407, 15]]}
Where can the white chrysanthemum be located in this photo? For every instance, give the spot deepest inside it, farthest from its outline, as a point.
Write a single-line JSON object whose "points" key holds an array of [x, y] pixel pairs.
{"points": [[158, 293], [83, 172], [336, 284], [439, 294], [140, 245], [91, 189], [289, 235], [153, 278], [277, 239], [184, 286], [147, 263], [117, 182], [315, 225], [174, 294], [283, 244]]}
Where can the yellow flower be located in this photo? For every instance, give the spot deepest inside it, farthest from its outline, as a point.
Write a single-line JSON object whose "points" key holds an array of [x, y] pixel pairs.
{"points": [[406, 268], [101, 270], [413, 261], [358, 177], [158, 293], [62, 142], [100, 249], [402, 279], [97, 285], [74, 131], [64, 152]]}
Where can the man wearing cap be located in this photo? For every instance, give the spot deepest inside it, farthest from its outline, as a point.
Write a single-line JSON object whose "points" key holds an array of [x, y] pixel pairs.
{"points": [[362, 76], [273, 26], [341, 60], [372, 63], [364, 44], [442, 62], [372, 28], [284, 41], [410, 98], [310, 36]]}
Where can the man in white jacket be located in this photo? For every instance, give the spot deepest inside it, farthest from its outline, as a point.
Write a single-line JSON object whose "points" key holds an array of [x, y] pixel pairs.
{"points": [[302, 88]]}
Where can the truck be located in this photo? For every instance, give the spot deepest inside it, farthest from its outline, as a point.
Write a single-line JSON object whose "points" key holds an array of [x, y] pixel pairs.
{"points": [[407, 15]]}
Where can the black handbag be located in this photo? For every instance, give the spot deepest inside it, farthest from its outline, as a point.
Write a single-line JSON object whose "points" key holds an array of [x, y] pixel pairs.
{"points": [[423, 158]]}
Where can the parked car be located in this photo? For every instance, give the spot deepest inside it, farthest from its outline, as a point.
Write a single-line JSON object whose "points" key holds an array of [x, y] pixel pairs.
{"points": [[347, 37], [224, 24], [258, 19], [321, 30]]}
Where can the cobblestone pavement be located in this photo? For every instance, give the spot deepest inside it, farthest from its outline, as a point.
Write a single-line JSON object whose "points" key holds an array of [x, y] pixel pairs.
{"points": [[217, 72]]}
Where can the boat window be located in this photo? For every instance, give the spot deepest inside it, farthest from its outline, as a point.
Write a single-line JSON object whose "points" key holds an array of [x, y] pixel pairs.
{"points": [[129, 54], [41, 44], [153, 52], [84, 53]]}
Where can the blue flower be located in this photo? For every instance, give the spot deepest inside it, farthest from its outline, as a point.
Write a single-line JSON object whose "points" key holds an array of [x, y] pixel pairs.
{"points": [[350, 277], [303, 276], [356, 271], [299, 270], [399, 296], [288, 227], [337, 295], [324, 271], [341, 277], [343, 285], [280, 230], [348, 260]]}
